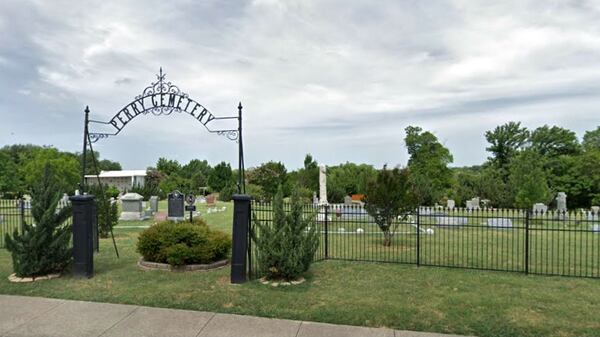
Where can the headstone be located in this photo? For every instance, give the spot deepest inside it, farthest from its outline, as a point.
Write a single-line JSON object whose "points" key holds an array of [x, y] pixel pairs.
{"points": [[315, 198], [561, 202], [539, 208], [347, 200], [175, 206], [451, 221], [322, 185], [210, 200], [132, 207], [154, 203], [450, 204], [595, 209], [469, 205], [160, 216], [499, 222]]}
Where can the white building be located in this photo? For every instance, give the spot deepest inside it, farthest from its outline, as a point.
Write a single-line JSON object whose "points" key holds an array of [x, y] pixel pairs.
{"points": [[123, 180]]}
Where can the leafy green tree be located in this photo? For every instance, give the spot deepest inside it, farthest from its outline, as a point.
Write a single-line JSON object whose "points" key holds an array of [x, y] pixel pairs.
{"points": [[269, 176], [66, 166], [348, 178], [103, 165], [286, 247], [42, 247], [578, 176], [554, 141], [389, 196], [194, 167], [167, 166], [428, 164], [527, 179], [505, 141], [308, 176], [9, 178], [175, 182], [220, 177], [591, 140]]}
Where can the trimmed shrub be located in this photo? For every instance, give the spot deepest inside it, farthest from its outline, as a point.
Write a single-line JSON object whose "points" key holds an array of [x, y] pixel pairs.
{"points": [[183, 243]]}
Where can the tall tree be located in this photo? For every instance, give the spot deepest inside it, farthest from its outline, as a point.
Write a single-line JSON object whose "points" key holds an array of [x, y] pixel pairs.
{"points": [[220, 177], [505, 141], [527, 179], [428, 164], [308, 176], [269, 176], [168, 166], [591, 139], [554, 141]]}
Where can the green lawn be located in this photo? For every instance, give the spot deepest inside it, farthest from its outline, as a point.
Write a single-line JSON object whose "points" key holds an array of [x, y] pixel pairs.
{"points": [[371, 294]]}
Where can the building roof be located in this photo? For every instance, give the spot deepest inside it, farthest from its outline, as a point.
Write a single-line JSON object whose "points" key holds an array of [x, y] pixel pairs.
{"points": [[117, 174]]}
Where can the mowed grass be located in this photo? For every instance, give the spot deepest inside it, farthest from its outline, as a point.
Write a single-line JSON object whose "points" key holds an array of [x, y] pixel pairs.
{"points": [[358, 293]]}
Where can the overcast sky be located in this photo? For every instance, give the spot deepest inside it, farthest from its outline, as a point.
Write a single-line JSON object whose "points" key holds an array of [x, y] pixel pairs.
{"points": [[338, 79]]}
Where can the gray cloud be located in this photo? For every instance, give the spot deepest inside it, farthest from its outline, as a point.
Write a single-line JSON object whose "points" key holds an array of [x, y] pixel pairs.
{"points": [[339, 79]]}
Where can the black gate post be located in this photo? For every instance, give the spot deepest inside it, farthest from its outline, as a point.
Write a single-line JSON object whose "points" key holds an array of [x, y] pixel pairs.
{"points": [[241, 224], [84, 220]]}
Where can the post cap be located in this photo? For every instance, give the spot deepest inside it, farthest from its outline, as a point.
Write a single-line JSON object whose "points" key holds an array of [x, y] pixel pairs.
{"points": [[241, 197], [82, 198]]}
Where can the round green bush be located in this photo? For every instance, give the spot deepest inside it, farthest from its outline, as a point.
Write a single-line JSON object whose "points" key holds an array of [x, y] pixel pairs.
{"points": [[183, 243]]}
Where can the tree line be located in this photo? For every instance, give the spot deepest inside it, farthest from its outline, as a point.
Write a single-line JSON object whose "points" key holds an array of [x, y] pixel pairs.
{"points": [[524, 167]]}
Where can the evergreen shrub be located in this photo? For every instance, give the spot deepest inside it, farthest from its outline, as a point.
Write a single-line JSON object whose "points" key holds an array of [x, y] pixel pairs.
{"points": [[286, 246], [183, 243]]}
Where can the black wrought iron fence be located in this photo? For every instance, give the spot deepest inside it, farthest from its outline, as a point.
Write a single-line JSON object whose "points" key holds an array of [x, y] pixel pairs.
{"points": [[547, 243], [14, 213]]}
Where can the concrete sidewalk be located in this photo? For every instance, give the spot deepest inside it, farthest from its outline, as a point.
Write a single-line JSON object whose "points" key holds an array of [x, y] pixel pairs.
{"points": [[34, 316]]}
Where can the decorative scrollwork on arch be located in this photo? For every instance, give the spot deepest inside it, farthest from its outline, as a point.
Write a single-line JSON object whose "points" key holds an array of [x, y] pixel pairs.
{"points": [[94, 136], [230, 134], [162, 86]]}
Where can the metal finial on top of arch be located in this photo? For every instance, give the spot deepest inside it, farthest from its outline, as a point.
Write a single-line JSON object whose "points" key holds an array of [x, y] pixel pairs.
{"points": [[164, 98]]}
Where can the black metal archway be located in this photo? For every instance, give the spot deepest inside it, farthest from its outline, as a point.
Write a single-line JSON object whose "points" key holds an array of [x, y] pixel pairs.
{"points": [[163, 98]]}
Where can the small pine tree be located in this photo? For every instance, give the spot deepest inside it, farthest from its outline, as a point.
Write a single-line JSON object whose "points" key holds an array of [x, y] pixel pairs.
{"points": [[44, 246], [287, 246]]}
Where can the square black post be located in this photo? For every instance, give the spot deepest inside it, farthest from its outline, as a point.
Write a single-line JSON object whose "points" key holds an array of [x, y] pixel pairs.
{"points": [[84, 220], [241, 224]]}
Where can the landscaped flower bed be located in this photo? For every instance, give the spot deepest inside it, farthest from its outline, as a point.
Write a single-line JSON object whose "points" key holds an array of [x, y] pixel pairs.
{"points": [[183, 246]]}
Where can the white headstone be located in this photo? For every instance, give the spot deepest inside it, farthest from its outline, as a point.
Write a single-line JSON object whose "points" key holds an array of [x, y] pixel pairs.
{"points": [[347, 200], [451, 221], [323, 185], [499, 222], [539, 208], [450, 204], [561, 202]]}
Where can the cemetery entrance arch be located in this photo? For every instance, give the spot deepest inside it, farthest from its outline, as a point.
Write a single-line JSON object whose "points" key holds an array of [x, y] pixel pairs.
{"points": [[163, 98]]}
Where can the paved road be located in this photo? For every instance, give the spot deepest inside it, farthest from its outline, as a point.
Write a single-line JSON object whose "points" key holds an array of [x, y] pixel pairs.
{"points": [[36, 317]]}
